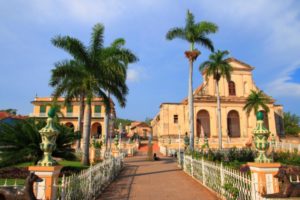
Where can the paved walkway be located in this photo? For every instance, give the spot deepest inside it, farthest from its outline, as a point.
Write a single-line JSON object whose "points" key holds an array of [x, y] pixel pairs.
{"points": [[154, 180]]}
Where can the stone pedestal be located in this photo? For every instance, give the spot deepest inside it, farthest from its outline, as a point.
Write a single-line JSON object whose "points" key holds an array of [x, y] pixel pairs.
{"points": [[46, 189], [263, 180]]}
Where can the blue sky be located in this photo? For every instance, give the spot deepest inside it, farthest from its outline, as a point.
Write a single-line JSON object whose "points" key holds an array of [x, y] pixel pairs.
{"points": [[262, 33]]}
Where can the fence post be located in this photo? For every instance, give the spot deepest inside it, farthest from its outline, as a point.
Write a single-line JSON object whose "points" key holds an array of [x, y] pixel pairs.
{"points": [[203, 171], [222, 179], [90, 180], [62, 194]]}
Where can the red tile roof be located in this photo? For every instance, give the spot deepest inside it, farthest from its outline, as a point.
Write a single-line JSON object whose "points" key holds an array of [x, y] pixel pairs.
{"points": [[4, 115]]}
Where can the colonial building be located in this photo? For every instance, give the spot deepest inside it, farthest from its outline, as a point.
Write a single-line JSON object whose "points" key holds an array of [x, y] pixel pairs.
{"points": [[140, 128], [172, 120], [70, 113]]}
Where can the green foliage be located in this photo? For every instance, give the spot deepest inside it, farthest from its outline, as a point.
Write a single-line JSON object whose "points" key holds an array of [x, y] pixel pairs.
{"points": [[256, 100], [217, 66], [97, 144], [231, 191], [148, 120], [287, 158], [291, 124], [21, 142], [232, 157], [194, 33], [125, 122], [91, 72]]}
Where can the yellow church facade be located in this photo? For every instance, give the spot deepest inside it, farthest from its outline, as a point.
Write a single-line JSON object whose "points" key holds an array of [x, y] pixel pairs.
{"points": [[171, 123]]}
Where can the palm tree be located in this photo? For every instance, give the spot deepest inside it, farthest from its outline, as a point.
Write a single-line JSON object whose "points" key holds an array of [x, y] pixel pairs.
{"points": [[21, 141], [194, 33], [218, 67], [92, 70], [255, 101], [69, 83], [117, 58]]}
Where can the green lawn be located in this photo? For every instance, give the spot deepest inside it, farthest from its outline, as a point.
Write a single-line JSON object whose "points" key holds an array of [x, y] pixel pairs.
{"points": [[65, 163], [12, 181]]}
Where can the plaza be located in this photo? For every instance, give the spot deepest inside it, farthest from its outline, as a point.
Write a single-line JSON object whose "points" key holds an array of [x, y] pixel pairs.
{"points": [[149, 100]]}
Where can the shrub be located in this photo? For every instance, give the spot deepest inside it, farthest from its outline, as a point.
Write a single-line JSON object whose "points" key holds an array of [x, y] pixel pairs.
{"points": [[20, 142]]}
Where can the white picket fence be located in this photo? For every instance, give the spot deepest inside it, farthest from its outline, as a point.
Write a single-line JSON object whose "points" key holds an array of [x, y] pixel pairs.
{"points": [[89, 183], [226, 182], [283, 146]]}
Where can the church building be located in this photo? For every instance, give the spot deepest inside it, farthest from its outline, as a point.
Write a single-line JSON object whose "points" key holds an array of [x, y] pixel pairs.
{"points": [[171, 122]]}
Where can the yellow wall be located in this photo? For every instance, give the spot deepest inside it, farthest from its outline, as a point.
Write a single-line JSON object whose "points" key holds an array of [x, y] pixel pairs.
{"points": [[74, 117], [205, 98]]}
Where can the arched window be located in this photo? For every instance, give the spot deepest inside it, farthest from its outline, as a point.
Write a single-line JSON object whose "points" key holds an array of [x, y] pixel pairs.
{"points": [[231, 87], [96, 131], [203, 123], [233, 124]]}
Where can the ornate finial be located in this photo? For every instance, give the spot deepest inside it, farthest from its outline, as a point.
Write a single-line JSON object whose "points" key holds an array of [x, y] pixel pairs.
{"points": [[260, 115], [52, 112], [261, 135], [48, 134]]}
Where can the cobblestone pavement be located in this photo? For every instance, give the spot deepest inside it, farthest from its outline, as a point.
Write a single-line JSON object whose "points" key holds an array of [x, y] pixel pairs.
{"points": [[154, 180]]}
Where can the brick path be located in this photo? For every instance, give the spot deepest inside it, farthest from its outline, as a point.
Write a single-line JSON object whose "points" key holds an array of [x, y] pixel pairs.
{"points": [[154, 180]]}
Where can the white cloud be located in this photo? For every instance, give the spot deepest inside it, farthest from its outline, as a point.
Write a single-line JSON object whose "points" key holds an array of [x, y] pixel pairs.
{"points": [[87, 11], [136, 74], [283, 85]]}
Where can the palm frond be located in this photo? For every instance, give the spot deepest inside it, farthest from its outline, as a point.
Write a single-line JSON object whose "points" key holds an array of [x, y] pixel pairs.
{"points": [[73, 46]]}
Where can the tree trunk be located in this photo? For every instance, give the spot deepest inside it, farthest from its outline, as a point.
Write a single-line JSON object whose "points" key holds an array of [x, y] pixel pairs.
{"points": [[106, 122], [191, 105], [219, 115], [86, 134], [80, 117]]}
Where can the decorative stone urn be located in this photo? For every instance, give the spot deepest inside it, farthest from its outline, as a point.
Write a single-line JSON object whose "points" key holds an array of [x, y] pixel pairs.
{"points": [[47, 168], [261, 135], [48, 134]]}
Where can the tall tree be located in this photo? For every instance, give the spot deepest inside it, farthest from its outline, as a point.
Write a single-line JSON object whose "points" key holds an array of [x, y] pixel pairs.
{"points": [[291, 124], [193, 33], [217, 67], [69, 83], [96, 69], [255, 101]]}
